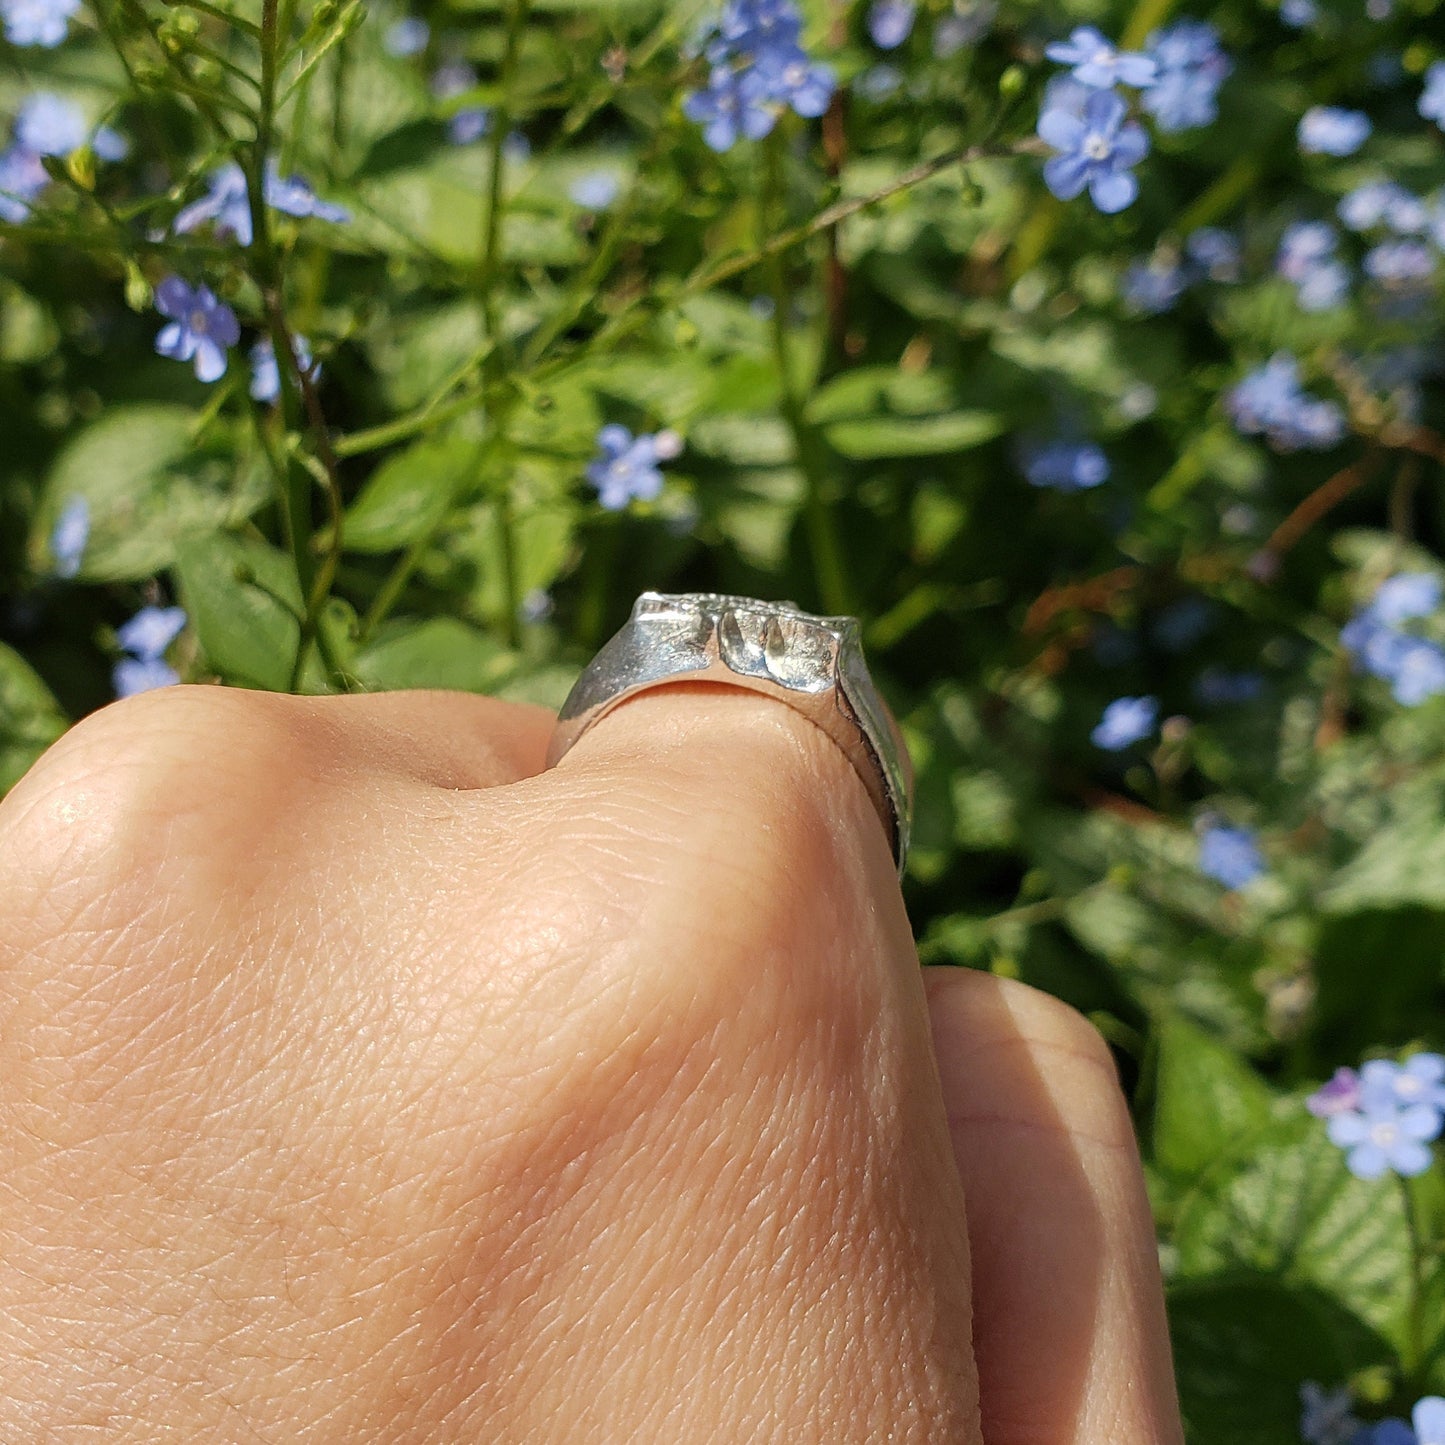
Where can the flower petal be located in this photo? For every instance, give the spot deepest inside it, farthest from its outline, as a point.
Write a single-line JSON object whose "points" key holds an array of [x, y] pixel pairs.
{"points": [[1066, 176], [1111, 191], [210, 360], [1061, 130]]}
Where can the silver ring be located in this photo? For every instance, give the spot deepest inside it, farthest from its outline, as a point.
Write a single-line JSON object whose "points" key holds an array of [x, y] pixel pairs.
{"points": [[813, 664]]}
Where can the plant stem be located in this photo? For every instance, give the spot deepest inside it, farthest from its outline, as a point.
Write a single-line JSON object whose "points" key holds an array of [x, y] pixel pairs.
{"points": [[489, 270], [829, 572], [1415, 1339]]}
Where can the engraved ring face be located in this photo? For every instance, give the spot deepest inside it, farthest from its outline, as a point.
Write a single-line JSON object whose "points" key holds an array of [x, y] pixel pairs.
{"points": [[814, 664]]}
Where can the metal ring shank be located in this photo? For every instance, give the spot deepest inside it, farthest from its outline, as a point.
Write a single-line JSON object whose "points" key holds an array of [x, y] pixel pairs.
{"points": [[813, 665]]}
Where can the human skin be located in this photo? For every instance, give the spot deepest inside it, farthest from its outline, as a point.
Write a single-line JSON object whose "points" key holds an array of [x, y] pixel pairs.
{"points": [[361, 1080]]}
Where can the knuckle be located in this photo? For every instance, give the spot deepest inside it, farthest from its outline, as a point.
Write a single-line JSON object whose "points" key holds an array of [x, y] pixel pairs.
{"points": [[134, 773]]}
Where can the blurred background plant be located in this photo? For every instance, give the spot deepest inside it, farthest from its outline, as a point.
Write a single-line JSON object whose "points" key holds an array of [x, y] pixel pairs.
{"points": [[1090, 353]]}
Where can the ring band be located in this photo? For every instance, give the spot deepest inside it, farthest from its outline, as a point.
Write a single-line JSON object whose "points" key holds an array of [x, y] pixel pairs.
{"points": [[813, 664]]}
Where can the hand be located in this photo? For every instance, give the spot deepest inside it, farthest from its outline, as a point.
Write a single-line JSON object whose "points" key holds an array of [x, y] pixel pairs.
{"points": [[360, 1081]]}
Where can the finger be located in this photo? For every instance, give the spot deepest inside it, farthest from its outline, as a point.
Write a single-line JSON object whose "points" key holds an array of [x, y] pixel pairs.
{"points": [[1069, 1327], [741, 870]]}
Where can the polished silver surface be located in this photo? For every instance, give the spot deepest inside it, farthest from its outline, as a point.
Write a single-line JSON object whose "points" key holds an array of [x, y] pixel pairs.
{"points": [[813, 664]]}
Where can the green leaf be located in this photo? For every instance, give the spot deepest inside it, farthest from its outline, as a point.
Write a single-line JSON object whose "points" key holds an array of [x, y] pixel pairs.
{"points": [[915, 437], [245, 605], [878, 411], [30, 718], [1209, 1102], [1403, 862], [1244, 1345], [409, 494], [1288, 1208], [440, 652], [148, 486]]}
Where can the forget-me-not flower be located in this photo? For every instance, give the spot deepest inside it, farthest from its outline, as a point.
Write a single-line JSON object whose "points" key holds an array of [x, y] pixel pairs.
{"points": [[202, 329], [1307, 258], [596, 190], [969, 22], [758, 68], [49, 125], [890, 22], [1230, 856], [1432, 98], [1064, 466], [1299, 13], [1428, 1418], [146, 637], [1271, 401], [1325, 1417], [1381, 1136], [1215, 251], [1339, 1095], [1331, 130], [1399, 261], [1097, 150], [22, 178], [37, 22], [1098, 63], [626, 468], [1383, 203], [1419, 1080], [1152, 284], [227, 207], [266, 373], [406, 37], [469, 125], [1374, 637], [69, 536], [1190, 68], [1126, 721]]}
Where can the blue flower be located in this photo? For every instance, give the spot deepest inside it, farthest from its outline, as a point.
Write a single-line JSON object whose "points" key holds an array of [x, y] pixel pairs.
{"points": [[878, 82], [1065, 466], [1332, 131], [406, 37], [1414, 666], [22, 178], [1393, 1431], [596, 190], [294, 197], [146, 637], [37, 22], [734, 105], [536, 606], [266, 374], [469, 125], [453, 78], [1153, 284], [1097, 151], [1299, 13], [227, 206], [1215, 251], [1380, 1136], [1270, 401], [626, 467], [1191, 67], [224, 204], [890, 22], [1095, 62], [132, 675], [1432, 98], [1307, 257], [49, 125], [1325, 1417], [1126, 720], [1383, 202], [1419, 1080], [970, 21], [202, 328], [1393, 262], [1406, 596], [758, 67], [1428, 1418], [1230, 856], [69, 536], [1340, 1095]]}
